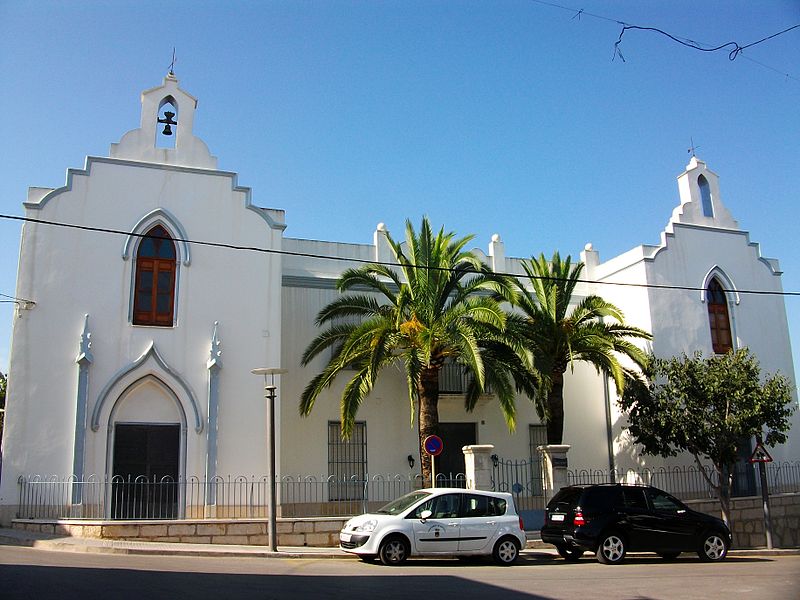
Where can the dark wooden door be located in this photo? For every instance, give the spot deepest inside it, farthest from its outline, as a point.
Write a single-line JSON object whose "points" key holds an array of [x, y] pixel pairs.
{"points": [[450, 463], [145, 472]]}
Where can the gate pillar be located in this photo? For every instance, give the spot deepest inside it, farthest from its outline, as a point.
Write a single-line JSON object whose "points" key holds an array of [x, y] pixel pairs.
{"points": [[554, 465], [478, 466]]}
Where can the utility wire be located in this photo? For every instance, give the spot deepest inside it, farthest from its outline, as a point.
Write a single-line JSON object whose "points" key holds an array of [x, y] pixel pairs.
{"points": [[372, 262], [580, 12], [734, 53], [737, 49], [13, 299]]}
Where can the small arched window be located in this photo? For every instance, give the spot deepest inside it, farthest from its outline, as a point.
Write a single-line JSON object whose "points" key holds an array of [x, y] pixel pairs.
{"points": [[705, 196], [154, 296], [718, 318]]}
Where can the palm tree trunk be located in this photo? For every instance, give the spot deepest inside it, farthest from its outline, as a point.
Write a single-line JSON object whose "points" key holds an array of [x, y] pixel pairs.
{"points": [[428, 391], [555, 409]]}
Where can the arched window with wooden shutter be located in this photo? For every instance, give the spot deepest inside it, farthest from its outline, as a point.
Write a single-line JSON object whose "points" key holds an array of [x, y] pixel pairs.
{"points": [[718, 318], [154, 295]]}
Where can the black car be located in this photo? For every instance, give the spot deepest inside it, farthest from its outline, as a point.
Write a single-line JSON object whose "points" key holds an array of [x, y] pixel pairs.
{"points": [[612, 519]]}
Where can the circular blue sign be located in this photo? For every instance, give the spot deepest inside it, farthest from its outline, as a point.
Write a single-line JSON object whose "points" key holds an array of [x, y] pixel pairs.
{"points": [[433, 445]]}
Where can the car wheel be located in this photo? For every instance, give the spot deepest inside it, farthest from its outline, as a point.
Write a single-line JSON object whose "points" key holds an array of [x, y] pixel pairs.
{"points": [[394, 550], [506, 551], [669, 555], [570, 553], [611, 550], [714, 548]]}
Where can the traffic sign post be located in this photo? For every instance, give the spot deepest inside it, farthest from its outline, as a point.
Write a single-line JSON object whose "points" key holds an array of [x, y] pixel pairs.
{"points": [[761, 456], [433, 446]]}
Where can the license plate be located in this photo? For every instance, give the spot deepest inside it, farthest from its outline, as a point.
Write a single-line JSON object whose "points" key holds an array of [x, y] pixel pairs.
{"points": [[344, 537], [556, 517]]}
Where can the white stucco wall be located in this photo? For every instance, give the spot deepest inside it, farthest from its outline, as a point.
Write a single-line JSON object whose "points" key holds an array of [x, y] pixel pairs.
{"points": [[694, 247], [71, 274], [264, 306]]}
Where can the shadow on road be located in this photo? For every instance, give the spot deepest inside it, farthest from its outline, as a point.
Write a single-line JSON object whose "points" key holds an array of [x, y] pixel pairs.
{"points": [[653, 559], [69, 583]]}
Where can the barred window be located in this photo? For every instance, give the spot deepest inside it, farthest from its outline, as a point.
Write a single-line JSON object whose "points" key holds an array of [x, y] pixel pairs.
{"points": [[537, 436], [347, 462]]}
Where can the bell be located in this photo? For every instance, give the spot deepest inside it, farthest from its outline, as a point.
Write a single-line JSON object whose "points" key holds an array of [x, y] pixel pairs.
{"points": [[167, 130]]}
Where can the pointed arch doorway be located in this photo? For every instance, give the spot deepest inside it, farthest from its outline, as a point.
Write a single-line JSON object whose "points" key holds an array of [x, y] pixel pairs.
{"points": [[147, 452]]}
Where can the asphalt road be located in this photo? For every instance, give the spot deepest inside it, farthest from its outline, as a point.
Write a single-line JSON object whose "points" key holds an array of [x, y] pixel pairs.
{"points": [[39, 574]]}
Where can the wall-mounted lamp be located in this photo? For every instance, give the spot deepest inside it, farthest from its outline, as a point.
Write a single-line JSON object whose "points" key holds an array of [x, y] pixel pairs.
{"points": [[410, 460], [495, 460]]}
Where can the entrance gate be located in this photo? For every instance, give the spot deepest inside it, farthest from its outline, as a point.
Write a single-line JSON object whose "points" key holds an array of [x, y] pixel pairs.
{"points": [[524, 480]]}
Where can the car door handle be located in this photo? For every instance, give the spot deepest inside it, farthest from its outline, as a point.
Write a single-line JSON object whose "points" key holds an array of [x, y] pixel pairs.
{"points": [[491, 522], [452, 524]]}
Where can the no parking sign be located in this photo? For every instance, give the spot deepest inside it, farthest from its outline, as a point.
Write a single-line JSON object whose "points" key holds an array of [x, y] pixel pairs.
{"points": [[433, 446]]}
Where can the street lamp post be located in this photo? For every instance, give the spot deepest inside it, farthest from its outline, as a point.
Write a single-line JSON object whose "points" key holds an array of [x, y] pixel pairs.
{"points": [[270, 393]]}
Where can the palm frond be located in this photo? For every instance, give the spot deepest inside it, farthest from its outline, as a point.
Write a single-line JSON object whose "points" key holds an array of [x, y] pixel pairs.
{"points": [[370, 277], [345, 307]]}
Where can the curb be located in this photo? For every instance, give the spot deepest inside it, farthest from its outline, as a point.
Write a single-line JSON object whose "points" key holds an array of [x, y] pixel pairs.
{"points": [[534, 548]]}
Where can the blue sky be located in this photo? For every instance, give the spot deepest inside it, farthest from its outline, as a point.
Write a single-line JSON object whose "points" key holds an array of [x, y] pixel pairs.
{"points": [[506, 117]]}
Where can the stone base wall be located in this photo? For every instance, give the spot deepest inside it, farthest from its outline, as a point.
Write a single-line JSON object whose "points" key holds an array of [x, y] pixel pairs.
{"points": [[319, 532], [747, 516]]}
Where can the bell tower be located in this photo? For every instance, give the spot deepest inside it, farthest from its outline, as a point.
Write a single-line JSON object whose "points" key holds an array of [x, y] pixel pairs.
{"points": [[165, 132], [701, 202]]}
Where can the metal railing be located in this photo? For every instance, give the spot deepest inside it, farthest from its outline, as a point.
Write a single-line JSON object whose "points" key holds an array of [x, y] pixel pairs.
{"points": [[453, 379], [689, 483], [231, 497], [242, 497]]}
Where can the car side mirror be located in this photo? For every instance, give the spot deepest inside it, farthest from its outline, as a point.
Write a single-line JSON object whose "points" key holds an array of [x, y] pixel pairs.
{"points": [[425, 515]]}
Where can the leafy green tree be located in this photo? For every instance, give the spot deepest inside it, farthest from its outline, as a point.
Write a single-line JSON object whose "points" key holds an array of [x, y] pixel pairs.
{"points": [[708, 407], [593, 331], [442, 304]]}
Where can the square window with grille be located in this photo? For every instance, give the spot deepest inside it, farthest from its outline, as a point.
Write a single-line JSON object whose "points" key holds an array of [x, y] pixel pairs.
{"points": [[537, 436], [347, 462]]}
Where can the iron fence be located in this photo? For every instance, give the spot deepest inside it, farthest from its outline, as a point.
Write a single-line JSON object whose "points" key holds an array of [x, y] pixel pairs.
{"points": [[689, 482], [231, 497], [243, 497]]}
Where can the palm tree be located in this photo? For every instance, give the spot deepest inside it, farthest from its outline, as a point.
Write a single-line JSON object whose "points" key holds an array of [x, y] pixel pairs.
{"points": [[558, 336], [442, 304]]}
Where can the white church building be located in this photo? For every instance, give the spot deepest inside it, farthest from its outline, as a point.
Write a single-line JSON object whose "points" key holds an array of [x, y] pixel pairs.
{"points": [[135, 357]]}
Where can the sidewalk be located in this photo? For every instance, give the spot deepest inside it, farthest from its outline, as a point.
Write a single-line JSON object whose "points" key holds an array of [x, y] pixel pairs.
{"points": [[42, 541]]}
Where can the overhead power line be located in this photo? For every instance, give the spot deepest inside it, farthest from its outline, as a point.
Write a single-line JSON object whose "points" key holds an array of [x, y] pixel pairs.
{"points": [[734, 53], [13, 299], [362, 260]]}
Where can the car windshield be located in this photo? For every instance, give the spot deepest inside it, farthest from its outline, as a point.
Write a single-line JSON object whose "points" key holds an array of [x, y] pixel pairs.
{"points": [[403, 502]]}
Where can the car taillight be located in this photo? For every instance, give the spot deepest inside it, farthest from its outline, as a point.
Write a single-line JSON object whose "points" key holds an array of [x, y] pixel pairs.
{"points": [[578, 520], [521, 524]]}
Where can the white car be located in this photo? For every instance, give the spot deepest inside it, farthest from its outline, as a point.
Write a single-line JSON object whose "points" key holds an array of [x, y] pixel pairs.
{"points": [[438, 522]]}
